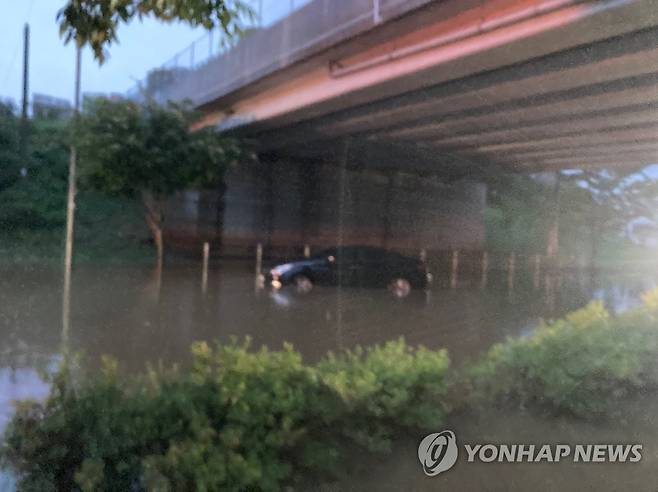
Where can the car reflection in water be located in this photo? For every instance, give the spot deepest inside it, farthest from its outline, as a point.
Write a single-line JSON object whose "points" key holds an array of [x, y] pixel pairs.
{"points": [[362, 266], [281, 298]]}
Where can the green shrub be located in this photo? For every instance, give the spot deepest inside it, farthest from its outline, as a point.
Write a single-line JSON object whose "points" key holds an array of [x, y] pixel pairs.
{"points": [[236, 420], [38, 200], [578, 365], [244, 420], [387, 388]]}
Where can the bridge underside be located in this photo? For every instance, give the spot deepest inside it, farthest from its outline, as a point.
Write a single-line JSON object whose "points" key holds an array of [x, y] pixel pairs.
{"points": [[591, 104], [453, 92]]}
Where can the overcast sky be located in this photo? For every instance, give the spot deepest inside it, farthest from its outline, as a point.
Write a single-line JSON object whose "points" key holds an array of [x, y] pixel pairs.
{"points": [[142, 47]]}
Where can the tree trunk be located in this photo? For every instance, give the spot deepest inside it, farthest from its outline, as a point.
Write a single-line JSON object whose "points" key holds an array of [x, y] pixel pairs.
{"points": [[553, 240], [595, 239], [154, 219], [219, 221]]}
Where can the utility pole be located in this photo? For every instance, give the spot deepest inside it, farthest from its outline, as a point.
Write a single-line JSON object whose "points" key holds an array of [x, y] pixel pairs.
{"points": [[26, 69], [70, 211], [24, 130]]}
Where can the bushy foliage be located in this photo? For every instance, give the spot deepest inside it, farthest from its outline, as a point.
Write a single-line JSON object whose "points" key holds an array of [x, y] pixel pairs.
{"points": [[578, 365], [9, 146], [33, 207], [387, 387], [150, 151], [38, 200], [237, 420], [95, 22], [595, 207], [128, 148], [515, 218]]}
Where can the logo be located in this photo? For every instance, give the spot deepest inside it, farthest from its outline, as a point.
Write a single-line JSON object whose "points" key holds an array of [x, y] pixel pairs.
{"points": [[438, 452]]}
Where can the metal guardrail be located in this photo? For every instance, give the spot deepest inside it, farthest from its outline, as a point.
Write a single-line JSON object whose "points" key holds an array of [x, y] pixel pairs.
{"points": [[213, 44], [282, 32]]}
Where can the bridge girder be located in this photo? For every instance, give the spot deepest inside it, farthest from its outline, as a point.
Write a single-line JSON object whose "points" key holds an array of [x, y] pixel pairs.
{"points": [[592, 103]]}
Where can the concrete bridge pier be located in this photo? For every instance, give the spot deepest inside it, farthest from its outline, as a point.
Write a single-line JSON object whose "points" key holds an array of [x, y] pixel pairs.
{"points": [[286, 204]]}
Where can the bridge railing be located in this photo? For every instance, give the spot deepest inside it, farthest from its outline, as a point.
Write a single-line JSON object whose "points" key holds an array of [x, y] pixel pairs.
{"points": [[213, 44], [282, 32]]}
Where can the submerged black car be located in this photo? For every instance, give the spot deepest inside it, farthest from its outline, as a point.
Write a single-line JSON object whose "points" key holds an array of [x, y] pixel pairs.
{"points": [[365, 266]]}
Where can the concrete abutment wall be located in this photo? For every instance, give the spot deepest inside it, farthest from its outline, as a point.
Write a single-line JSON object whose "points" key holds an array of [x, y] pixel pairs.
{"points": [[285, 205]]}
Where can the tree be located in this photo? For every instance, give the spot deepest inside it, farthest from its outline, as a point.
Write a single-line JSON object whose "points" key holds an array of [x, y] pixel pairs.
{"points": [[35, 200], [515, 217], [595, 206], [10, 161], [149, 152], [612, 198], [160, 78], [95, 22]]}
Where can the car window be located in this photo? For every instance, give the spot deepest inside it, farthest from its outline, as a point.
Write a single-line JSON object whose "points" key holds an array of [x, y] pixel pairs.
{"points": [[349, 254], [373, 255], [326, 253]]}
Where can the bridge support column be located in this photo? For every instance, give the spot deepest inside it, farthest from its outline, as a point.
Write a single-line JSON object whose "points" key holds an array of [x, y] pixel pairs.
{"points": [[268, 206], [309, 190], [387, 209]]}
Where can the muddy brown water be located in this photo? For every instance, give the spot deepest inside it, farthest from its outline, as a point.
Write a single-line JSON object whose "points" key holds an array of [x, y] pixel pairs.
{"points": [[400, 469], [123, 312]]}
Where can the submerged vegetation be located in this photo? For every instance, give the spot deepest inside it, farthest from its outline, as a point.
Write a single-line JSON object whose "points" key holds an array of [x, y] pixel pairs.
{"points": [[237, 419], [579, 365], [259, 420]]}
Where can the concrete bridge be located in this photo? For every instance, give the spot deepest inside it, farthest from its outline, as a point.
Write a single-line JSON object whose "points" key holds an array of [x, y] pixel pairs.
{"points": [[450, 88]]}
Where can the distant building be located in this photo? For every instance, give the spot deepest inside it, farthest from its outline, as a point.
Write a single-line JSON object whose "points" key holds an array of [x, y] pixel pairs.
{"points": [[50, 107]]}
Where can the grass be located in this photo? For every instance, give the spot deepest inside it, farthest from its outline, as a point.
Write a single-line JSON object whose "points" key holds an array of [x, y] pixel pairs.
{"points": [[106, 231]]}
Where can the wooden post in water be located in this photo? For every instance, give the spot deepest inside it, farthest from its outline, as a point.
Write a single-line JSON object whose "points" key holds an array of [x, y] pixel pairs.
{"points": [[422, 256], [511, 265], [455, 269], [307, 251], [204, 273], [537, 272], [259, 259], [485, 269], [259, 281]]}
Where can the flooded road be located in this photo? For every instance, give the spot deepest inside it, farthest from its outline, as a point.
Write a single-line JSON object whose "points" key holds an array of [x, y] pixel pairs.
{"points": [[400, 470], [123, 312]]}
